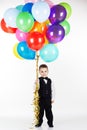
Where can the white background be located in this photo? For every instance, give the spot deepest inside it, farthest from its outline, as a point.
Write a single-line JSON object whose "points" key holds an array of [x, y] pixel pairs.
{"points": [[69, 71]]}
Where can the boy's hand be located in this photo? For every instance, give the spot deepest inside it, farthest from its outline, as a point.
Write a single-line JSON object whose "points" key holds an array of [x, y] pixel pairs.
{"points": [[36, 81], [52, 101]]}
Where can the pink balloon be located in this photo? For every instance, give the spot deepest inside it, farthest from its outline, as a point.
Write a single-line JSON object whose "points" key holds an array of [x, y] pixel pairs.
{"points": [[50, 3], [33, 1], [21, 36]]}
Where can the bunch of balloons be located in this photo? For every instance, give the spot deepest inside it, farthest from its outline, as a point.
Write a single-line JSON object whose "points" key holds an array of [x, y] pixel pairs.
{"points": [[38, 26]]}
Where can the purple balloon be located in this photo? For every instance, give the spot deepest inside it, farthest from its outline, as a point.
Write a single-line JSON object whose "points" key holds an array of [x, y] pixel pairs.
{"points": [[58, 14], [55, 33]]}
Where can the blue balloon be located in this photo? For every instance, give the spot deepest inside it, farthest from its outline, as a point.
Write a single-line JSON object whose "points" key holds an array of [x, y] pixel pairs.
{"points": [[24, 51], [49, 53], [40, 11], [27, 7]]}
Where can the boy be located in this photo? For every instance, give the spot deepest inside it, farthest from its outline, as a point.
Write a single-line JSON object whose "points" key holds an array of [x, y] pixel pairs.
{"points": [[45, 96]]}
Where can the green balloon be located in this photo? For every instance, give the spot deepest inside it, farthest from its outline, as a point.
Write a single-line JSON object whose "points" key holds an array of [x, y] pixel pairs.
{"points": [[25, 21], [66, 26], [68, 9]]}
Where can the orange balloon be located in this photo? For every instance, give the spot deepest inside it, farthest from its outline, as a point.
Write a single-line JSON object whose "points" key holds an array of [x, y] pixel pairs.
{"points": [[46, 41], [39, 27]]}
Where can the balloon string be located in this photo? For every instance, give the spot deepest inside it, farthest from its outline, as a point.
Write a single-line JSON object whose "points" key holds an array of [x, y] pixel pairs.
{"points": [[37, 60], [36, 96]]}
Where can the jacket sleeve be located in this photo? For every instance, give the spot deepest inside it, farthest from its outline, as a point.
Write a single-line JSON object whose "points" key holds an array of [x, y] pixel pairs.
{"points": [[53, 91]]}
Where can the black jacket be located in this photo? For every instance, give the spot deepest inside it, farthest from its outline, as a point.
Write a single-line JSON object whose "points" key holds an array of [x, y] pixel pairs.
{"points": [[45, 90]]}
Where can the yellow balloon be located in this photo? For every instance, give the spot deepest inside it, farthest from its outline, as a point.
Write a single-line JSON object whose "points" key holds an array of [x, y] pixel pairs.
{"points": [[15, 51], [48, 22]]}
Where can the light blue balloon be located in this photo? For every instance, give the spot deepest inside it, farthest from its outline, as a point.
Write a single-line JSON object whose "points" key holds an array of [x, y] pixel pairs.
{"points": [[24, 51], [40, 11], [19, 7], [49, 53], [10, 16]]}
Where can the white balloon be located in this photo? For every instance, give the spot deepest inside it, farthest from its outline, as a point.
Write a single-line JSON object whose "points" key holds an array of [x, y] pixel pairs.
{"points": [[10, 16], [41, 11], [33, 1]]}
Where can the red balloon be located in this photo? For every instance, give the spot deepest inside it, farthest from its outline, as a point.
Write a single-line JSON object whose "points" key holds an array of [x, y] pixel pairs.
{"points": [[35, 40], [6, 28]]}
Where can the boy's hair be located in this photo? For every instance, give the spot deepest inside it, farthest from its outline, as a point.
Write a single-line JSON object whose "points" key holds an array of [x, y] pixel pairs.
{"points": [[43, 66]]}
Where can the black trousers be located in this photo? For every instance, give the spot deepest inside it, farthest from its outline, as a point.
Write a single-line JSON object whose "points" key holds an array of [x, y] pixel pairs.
{"points": [[45, 106]]}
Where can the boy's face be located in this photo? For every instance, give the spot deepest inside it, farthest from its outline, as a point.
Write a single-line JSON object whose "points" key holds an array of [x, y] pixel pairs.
{"points": [[43, 72]]}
